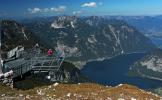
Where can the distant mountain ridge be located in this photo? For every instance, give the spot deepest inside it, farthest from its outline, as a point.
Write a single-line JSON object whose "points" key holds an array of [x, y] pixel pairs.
{"points": [[149, 25]]}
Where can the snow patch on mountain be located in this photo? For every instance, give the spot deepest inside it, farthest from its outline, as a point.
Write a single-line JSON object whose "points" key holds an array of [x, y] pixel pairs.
{"points": [[112, 29], [23, 31], [76, 35], [92, 39], [89, 22], [57, 25], [63, 33], [72, 24]]}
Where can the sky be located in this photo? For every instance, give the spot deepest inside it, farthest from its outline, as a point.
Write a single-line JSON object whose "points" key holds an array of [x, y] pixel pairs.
{"points": [[30, 8]]}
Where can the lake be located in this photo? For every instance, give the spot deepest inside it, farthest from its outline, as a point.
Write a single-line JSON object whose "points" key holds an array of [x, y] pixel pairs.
{"points": [[114, 71]]}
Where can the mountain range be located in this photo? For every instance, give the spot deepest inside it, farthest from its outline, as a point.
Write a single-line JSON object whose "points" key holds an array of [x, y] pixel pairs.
{"points": [[91, 37]]}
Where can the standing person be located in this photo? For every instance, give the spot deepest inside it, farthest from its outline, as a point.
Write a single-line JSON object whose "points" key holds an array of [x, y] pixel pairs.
{"points": [[1, 66], [50, 52], [37, 49], [60, 55]]}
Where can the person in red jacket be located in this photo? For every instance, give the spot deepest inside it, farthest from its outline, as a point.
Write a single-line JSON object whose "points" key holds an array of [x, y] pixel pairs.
{"points": [[50, 52]]}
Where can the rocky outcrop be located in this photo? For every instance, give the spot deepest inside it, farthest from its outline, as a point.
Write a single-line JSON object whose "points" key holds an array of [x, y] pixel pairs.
{"points": [[7, 78], [150, 65]]}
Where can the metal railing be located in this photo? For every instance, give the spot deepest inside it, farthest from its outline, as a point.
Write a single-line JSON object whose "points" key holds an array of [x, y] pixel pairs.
{"points": [[34, 60]]}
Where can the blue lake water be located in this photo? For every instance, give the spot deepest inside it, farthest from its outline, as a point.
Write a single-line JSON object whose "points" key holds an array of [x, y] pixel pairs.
{"points": [[114, 71]]}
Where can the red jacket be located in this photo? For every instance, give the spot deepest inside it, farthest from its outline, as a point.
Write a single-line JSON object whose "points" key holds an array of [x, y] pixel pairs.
{"points": [[50, 52]]}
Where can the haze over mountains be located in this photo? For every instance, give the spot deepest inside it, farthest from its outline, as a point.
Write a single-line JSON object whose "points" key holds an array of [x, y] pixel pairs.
{"points": [[149, 25]]}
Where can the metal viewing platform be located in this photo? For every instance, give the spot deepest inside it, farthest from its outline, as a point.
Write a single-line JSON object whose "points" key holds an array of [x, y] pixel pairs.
{"points": [[34, 60]]}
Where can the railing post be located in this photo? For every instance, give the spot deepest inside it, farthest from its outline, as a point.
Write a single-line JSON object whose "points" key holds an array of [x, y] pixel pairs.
{"points": [[21, 71]]}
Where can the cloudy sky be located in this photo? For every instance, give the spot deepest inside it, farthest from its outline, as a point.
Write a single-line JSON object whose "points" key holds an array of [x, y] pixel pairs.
{"points": [[27, 8]]}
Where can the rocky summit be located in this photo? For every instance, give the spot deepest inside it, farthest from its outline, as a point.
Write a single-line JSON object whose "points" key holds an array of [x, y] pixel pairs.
{"points": [[83, 91]]}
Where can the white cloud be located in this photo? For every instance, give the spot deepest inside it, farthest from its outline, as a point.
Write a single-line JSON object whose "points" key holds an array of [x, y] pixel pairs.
{"points": [[77, 12], [58, 9], [34, 10], [89, 4], [46, 10]]}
